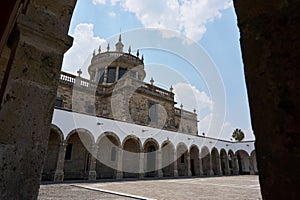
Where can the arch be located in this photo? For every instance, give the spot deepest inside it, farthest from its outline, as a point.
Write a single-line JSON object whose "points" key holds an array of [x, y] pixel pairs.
{"points": [[194, 160], [134, 138], [168, 158], [110, 135], [182, 159], [58, 130], [254, 161], [78, 154], [224, 162], [151, 154], [55, 139], [107, 148], [86, 136], [132, 149], [205, 159], [243, 162], [215, 161]]}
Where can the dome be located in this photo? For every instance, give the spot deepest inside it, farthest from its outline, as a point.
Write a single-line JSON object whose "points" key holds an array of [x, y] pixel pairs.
{"points": [[110, 66]]}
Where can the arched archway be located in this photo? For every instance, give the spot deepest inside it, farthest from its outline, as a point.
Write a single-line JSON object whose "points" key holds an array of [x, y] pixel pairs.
{"points": [[78, 157], [205, 159], [55, 139], [194, 161], [243, 162], [224, 162], [215, 161], [131, 157], [182, 159], [150, 149], [168, 150], [108, 146]]}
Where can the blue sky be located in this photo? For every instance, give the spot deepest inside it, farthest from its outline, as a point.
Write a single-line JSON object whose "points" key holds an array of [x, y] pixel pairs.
{"points": [[211, 24]]}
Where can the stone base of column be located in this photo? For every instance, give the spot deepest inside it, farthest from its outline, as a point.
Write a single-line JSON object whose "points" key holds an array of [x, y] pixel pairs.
{"points": [[160, 173], [175, 173], [119, 175], [189, 173], [92, 175], [211, 173], [141, 175], [58, 176], [252, 172], [236, 172], [201, 173]]}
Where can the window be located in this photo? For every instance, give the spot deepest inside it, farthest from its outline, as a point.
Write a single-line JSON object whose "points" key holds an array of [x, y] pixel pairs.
{"points": [[122, 72], [68, 151], [58, 102], [113, 154], [182, 158], [111, 75]]}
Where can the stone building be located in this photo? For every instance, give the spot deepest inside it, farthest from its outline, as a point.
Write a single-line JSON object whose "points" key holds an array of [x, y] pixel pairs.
{"points": [[114, 125]]}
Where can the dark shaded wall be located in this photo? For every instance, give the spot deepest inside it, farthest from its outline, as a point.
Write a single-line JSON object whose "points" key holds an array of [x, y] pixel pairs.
{"points": [[31, 59], [270, 49]]}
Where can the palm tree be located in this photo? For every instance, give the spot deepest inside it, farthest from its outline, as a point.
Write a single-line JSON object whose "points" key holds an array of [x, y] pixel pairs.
{"points": [[238, 135]]}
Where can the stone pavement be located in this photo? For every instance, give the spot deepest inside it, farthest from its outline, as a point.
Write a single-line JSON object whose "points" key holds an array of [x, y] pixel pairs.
{"points": [[226, 187]]}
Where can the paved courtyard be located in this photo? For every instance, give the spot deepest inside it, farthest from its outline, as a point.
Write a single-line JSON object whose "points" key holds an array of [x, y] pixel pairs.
{"points": [[227, 187]]}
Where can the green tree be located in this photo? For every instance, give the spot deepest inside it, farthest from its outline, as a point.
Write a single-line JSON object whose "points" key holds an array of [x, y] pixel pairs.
{"points": [[238, 135]]}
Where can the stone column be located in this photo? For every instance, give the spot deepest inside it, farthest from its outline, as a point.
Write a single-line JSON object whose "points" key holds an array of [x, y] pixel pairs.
{"points": [[189, 173], [59, 172], [119, 174], [235, 165], [175, 165], [159, 163], [251, 166], [105, 74], [117, 73], [200, 167], [28, 90], [141, 165], [226, 163], [210, 172], [220, 166], [92, 168]]}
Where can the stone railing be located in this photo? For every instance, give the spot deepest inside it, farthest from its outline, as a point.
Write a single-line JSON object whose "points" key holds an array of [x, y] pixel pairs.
{"points": [[156, 90], [79, 81], [185, 113]]}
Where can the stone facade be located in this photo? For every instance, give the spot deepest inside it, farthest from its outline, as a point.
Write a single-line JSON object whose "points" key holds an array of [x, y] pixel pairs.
{"points": [[116, 91]]}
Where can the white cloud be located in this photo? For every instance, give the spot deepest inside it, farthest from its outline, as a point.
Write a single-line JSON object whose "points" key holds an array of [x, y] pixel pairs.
{"points": [[192, 98], [99, 2], [79, 55], [112, 14], [188, 17]]}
